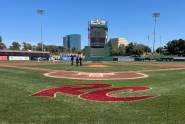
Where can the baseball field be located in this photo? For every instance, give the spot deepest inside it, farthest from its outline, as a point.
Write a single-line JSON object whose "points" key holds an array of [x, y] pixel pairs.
{"points": [[95, 93]]}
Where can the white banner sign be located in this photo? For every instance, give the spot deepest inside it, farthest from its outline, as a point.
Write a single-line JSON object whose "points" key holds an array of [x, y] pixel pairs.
{"points": [[23, 58]]}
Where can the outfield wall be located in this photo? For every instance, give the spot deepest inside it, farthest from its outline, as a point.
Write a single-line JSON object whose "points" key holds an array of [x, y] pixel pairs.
{"points": [[125, 59], [24, 55], [19, 58], [3, 57]]}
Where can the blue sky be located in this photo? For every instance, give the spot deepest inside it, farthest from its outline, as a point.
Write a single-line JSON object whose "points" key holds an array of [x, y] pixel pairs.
{"points": [[130, 19]]}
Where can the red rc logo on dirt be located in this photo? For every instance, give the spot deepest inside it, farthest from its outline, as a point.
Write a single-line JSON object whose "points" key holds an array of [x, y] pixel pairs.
{"points": [[97, 92]]}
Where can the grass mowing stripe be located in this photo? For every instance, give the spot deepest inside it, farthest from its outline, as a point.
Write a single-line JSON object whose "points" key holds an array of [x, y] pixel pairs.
{"points": [[18, 107]]}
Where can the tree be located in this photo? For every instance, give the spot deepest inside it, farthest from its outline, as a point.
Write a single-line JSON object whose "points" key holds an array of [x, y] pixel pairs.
{"points": [[2, 45], [159, 49], [146, 49], [116, 51], [15, 46], [27, 46], [121, 50], [34, 48], [129, 48], [39, 47], [137, 49], [61, 49], [1, 39], [176, 47], [52, 49]]}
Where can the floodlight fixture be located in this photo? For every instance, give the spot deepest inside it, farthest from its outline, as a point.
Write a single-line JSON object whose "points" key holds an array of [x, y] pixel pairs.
{"points": [[41, 12], [155, 16]]}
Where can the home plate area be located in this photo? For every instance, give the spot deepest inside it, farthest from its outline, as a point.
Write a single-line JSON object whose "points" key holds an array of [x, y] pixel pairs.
{"points": [[96, 76]]}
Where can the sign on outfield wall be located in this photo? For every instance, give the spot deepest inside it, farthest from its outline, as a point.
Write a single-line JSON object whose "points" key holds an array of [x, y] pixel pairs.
{"points": [[23, 58], [3, 57], [125, 58]]}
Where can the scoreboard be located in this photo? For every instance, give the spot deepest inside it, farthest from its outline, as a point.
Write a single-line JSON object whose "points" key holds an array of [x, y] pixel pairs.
{"points": [[98, 34]]}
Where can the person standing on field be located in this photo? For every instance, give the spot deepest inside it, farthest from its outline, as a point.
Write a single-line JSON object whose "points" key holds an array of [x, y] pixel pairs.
{"points": [[80, 59], [77, 60], [72, 60]]}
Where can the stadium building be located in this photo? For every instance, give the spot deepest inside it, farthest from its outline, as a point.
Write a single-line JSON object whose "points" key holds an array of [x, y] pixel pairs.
{"points": [[98, 35], [23, 55], [117, 42], [72, 42]]}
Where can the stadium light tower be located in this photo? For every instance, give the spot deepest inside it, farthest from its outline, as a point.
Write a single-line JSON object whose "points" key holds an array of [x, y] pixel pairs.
{"points": [[155, 16], [41, 12]]}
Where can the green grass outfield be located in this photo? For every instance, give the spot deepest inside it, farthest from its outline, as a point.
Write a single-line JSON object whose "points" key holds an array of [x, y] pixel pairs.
{"points": [[17, 106], [112, 67]]}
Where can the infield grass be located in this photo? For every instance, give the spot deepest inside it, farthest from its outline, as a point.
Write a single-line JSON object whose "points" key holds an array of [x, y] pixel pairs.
{"points": [[17, 106], [111, 67]]}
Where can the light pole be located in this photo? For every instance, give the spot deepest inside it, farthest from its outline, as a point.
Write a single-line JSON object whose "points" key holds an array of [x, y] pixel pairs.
{"points": [[41, 13], [155, 16], [160, 44]]}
